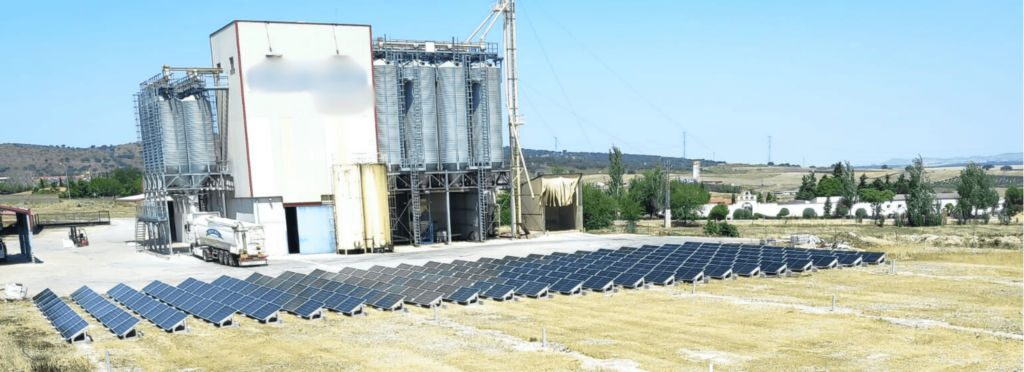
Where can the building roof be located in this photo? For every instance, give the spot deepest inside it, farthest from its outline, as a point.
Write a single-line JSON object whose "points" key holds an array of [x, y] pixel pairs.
{"points": [[720, 200]]}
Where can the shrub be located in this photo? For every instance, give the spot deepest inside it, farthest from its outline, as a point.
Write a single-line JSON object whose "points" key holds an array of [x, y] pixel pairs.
{"points": [[742, 214], [810, 213], [719, 212], [861, 213], [598, 208], [985, 217], [758, 216], [723, 228], [841, 211], [783, 213]]}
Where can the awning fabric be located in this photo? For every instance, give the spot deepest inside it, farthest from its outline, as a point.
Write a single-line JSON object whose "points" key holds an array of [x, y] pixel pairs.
{"points": [[558, 192]]}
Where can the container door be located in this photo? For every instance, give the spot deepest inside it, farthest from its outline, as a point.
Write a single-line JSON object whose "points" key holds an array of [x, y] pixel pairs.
{"points": [[316, 229]]}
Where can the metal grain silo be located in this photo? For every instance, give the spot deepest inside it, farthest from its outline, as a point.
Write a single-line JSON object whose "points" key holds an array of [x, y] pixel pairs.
{"points": [[198, 134], [169, 139], [426, 86], [451, 104], [479, 118], [494, 104], [385, 83]]}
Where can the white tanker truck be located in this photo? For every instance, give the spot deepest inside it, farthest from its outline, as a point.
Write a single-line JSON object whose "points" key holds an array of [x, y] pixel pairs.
{"points": [[230, 242]]}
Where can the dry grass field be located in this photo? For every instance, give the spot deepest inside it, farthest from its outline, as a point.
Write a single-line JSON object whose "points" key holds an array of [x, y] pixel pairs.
{"points": [[950, 307]]}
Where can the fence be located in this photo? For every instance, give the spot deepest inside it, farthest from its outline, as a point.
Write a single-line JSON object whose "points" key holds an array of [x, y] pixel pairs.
{"points": [[77, 218], [29, 199]]}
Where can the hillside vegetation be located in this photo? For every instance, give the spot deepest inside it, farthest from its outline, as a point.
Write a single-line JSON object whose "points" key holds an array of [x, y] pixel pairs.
{"points": [[23, 162]]}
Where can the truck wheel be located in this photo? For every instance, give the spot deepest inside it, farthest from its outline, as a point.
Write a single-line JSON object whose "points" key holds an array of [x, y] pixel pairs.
{"points": [[233, 260]]}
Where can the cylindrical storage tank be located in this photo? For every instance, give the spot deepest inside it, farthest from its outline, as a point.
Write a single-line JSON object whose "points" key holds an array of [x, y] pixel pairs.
{"points": [[479, 109], [168, 138], [199, 134], [426, 87], [453, 130], [385, 84], [494, 105]]}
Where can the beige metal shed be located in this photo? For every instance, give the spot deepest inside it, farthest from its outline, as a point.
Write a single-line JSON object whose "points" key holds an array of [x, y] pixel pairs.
{"points": [[556, 203]]}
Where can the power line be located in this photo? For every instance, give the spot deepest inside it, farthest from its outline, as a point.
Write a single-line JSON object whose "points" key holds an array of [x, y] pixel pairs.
{"points": [[557, 80], [616, 74], [581, 119]]}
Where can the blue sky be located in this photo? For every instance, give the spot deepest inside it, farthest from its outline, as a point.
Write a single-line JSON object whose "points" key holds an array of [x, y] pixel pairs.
{"points": [[864, 81]]}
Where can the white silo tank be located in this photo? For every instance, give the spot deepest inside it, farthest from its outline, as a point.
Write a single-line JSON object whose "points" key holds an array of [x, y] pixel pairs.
{"points": [[426, 85], [451, 102], [385, 82], [494, 105], [696, 171], [480, 108], [170, 152], [198, 134]]}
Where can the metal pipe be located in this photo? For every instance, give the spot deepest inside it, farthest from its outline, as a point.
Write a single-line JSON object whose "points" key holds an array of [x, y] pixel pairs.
{"points": [[448, 209], [492, 22], [470, 37]]}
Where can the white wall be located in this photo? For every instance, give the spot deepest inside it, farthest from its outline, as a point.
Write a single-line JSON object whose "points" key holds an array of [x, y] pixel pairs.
{"points": [[304, 111], [818, 204]]}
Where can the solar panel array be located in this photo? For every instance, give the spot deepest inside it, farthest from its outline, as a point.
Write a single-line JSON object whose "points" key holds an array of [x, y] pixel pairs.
{"points": [[202, 307], [164, 317], [68, 323], [111, 316], [262, 297]]}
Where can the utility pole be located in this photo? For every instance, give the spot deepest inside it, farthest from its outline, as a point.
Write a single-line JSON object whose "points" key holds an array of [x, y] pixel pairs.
{"points": [[556, 144], [684, 145], [769, 149]]}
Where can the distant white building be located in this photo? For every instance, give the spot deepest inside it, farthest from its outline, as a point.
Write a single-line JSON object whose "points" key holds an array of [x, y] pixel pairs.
{"points": [[796, 207]]}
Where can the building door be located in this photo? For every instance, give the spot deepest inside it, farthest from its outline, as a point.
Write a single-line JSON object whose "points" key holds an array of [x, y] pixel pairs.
{"points": [[292, 225], [172, 221]]}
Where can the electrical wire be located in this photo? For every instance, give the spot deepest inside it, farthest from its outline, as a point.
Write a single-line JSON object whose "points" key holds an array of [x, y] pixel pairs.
{"points": [[581, 119], [621, 79], [558, 81]]}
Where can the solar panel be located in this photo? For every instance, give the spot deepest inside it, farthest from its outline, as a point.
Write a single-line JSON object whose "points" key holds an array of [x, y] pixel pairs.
{"points": [[388, 302], [532, 289], [598, 283], [567, 286], [309, 309], [630, 280], [463, 295], [499, 292], [426, 298], [69, 324]]}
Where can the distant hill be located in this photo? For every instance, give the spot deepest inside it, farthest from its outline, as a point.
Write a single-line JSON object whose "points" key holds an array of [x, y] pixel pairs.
{"points": [[23, 162], [1010, 158], [594, 162]]}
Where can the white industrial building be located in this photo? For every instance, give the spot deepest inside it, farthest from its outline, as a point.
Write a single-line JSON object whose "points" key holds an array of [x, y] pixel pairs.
{"points": [[287, 133]]}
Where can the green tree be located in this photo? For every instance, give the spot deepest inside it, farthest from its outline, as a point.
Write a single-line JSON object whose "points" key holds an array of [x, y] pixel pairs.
{"points": [[1014, 200], [733, 199], [876, 198], [504, 206], [807, 187], [828, 207], [104, 187], [719, 212], [863, 181], [783, 213], [975, 189], [860, 213], [921, 209], [849, 190], [1006, 168], [687, 199], [615, 172], [649, 189], [631, 211], [828, 186], [760, 197], [598, 208]]}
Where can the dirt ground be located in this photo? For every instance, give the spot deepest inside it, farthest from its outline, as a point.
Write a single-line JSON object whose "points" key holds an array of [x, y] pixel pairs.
{"points": [[948, 308]]}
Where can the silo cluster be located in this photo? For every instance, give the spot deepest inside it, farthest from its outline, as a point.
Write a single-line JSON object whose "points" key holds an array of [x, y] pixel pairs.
{"points": [[438, 115], [179, 128]]}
